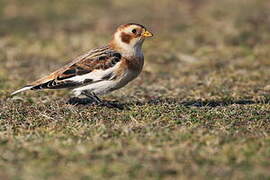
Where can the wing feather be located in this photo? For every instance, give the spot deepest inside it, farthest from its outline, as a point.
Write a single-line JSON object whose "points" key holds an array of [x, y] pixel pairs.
{"points": [[94, 66]]}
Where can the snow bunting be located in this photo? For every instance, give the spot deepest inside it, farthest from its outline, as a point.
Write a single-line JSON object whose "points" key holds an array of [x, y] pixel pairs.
{"points": [[100, 70]]}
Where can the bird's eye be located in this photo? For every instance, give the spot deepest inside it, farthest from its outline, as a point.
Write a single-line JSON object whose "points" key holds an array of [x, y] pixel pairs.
{"points": [[134, 31]]}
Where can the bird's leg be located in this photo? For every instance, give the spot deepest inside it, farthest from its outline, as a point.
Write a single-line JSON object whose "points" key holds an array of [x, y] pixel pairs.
{"points": [[98, 101], [92, 96]]}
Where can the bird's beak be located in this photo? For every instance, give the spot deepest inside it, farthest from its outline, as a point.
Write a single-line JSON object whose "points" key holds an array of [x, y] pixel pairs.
{"points": [[147, 34]]}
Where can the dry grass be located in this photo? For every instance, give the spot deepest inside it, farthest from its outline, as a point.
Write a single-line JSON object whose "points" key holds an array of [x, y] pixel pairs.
{"points": [[199, 110]]}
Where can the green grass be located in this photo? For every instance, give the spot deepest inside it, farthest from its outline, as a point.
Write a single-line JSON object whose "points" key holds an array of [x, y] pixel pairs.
{"points": [[199, 110]]}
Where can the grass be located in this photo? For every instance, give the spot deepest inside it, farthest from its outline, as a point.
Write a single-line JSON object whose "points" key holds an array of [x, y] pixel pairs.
{"points": [[199, 110]]}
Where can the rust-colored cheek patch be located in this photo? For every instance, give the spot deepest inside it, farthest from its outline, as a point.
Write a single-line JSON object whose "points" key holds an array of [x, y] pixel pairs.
{"points": [[125, 37]]}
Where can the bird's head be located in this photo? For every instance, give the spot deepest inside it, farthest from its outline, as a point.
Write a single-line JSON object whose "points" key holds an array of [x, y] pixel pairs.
{"points": [[130, 36]]}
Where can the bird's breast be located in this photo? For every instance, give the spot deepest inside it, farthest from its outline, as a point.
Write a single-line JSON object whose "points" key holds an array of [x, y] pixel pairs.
{"points": [[128, 70], [132, 64]]}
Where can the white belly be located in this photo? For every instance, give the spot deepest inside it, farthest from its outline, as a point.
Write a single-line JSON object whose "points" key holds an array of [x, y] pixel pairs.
{"points": [[106, 86]]}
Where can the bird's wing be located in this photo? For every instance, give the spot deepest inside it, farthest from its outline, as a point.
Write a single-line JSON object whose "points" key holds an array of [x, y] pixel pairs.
{"points": [[94, 66]]}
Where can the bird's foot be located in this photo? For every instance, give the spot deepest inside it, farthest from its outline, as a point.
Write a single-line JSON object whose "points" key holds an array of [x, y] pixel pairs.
{"points": [[111, 105], [90, 101], [80, 101]]}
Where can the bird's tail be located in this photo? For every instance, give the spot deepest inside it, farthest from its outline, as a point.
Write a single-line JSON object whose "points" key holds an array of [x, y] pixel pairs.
{"points": [[21, 90]]}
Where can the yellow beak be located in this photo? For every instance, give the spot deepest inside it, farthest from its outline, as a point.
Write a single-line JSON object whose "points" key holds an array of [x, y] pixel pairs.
{"points": [[147, 34]]}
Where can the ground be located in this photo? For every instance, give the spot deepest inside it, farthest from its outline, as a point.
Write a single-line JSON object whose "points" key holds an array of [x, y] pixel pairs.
{"points": [[199, 110]]}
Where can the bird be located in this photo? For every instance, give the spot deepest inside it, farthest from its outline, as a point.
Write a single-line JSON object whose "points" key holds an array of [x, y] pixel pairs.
{"points": [[101, 70]]}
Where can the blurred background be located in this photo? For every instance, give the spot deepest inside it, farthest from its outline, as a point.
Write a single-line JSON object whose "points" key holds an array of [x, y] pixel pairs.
{"points": [[200, 108]]}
